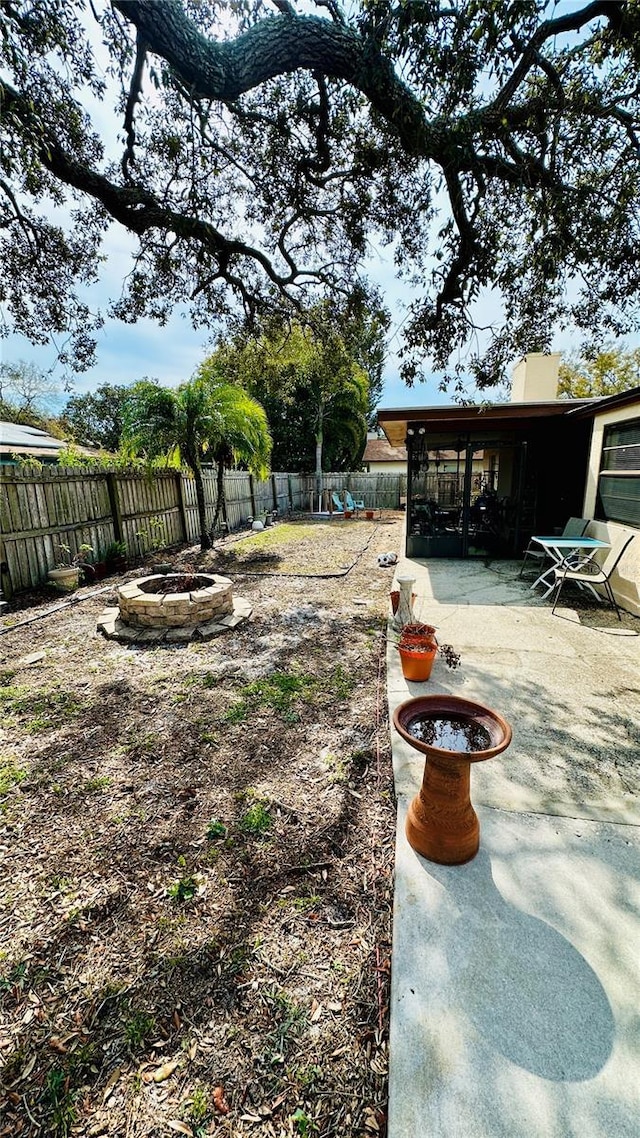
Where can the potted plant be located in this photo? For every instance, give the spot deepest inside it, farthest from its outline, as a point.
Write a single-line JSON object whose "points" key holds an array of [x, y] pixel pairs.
{"points": [[116, 556], [418, 633], [100, 568], [66, 573], [418, 648]]}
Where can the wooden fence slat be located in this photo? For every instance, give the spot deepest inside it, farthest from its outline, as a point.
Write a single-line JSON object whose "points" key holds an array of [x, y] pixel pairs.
{"points": [[40, 511]]}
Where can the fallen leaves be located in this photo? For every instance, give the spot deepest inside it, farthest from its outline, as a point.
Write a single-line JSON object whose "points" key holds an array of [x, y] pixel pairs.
{"points": [[110, 1083], [161, 1073], [220, 1101], [28, 1069]]}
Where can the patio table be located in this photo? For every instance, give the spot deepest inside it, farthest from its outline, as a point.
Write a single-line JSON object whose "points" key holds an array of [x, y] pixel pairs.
{"points": [[559, 549]]}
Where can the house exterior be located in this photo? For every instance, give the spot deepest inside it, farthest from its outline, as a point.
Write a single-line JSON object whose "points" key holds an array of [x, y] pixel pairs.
{"points": [[543, 460], [612, 486], [380, 457]]}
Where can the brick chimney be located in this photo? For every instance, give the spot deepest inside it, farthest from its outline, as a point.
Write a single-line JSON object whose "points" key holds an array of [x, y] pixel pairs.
{"points": [[535, 378]]}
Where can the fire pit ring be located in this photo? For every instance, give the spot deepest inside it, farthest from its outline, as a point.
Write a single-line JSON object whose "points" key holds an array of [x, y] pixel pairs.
{"points": [[174, 607]]}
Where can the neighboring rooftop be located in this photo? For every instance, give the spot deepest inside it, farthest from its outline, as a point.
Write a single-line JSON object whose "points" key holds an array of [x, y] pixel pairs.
{"points": [[20, 440], [14, 436], [379, 450]]}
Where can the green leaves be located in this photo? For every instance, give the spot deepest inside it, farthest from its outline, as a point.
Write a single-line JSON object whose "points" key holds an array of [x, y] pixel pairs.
{"points": [[308, 377], [201, 419], [608, 372], [500, 138]]}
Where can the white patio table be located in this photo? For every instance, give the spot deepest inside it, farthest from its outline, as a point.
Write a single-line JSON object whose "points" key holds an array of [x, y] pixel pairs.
{"points": [[561, 548]]}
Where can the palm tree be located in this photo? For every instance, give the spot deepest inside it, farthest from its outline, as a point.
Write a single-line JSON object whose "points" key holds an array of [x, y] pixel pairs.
{"points": [[201, 420]]}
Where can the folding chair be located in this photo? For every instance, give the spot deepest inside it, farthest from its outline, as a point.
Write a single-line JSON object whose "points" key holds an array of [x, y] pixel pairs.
{"points": [[351, 504], [590, 573], [575, 527]]}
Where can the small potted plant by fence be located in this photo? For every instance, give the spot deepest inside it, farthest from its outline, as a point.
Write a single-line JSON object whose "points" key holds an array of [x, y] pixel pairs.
{"points": [[418, 648], [100, 567], [66, 573], [116, 556]]}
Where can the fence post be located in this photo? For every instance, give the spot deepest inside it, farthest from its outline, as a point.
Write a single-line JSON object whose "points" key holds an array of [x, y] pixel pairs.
{"points": [[253, 496], [114, 505], [274, 491], [6, 587], [290, 493], [181, 510], [225, 518]]}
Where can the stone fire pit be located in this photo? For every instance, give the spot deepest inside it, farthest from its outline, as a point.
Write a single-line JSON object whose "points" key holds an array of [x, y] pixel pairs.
{"points": [[174, 607]]}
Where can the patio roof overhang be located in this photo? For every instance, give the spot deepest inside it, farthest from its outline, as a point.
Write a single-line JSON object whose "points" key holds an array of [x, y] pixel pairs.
{"points": [[475, 419]]}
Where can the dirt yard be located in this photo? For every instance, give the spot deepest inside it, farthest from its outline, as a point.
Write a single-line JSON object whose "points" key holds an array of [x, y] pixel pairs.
{"points": [[197, 847]]}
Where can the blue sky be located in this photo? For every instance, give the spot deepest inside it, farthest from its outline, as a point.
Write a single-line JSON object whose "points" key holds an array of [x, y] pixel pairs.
{"points": [[127, 352]]}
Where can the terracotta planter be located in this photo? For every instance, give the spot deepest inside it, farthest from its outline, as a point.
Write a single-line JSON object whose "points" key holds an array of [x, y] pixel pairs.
{"points": [[368, 515], [418, 634], [441, 822], [394, 596], [417, 661], [348, 513]]}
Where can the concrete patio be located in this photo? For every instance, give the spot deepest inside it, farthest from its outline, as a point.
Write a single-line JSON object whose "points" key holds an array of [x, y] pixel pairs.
{"points": [[514, 1004]]}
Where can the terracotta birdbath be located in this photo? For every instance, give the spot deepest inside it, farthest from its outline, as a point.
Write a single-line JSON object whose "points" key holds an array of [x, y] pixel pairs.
{"points": [[453, 733]]}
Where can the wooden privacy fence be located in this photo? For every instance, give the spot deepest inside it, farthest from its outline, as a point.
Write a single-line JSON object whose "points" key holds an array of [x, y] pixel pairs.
{"points": [[41, 511]]}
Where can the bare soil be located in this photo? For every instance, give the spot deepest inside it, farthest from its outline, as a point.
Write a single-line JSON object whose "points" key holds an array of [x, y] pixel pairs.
{"points": [[197, 849]]}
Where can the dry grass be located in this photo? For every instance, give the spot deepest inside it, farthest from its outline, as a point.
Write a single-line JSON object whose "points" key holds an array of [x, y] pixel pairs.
{"points": [[197, 848]]}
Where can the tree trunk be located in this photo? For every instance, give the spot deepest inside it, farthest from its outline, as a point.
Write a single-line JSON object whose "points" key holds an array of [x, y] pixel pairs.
{"points": [[319, 442], [219, 492], [205, 540]]}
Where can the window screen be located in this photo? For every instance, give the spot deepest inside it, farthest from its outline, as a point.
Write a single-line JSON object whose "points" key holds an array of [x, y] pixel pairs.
{"points": [[619, 481]]}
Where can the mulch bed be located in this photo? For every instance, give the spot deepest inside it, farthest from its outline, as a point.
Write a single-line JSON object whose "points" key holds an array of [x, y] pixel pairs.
{"points": [[198, 847]]}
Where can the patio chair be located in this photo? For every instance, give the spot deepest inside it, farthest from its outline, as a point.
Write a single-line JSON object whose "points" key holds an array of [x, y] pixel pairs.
{"points": [[351, 503], [575, 527], [337, 502], [590, 573]]}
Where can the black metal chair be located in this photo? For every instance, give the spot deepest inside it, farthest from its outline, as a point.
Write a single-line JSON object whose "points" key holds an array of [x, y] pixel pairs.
{"points": [[590, 573], [575, 527]]}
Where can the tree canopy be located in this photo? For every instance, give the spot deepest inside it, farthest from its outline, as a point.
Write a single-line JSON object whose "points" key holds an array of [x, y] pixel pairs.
{"points": [[264, 151], [96, 416], [314, 393], [607, 373], [27, 387], [203, 420]]}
